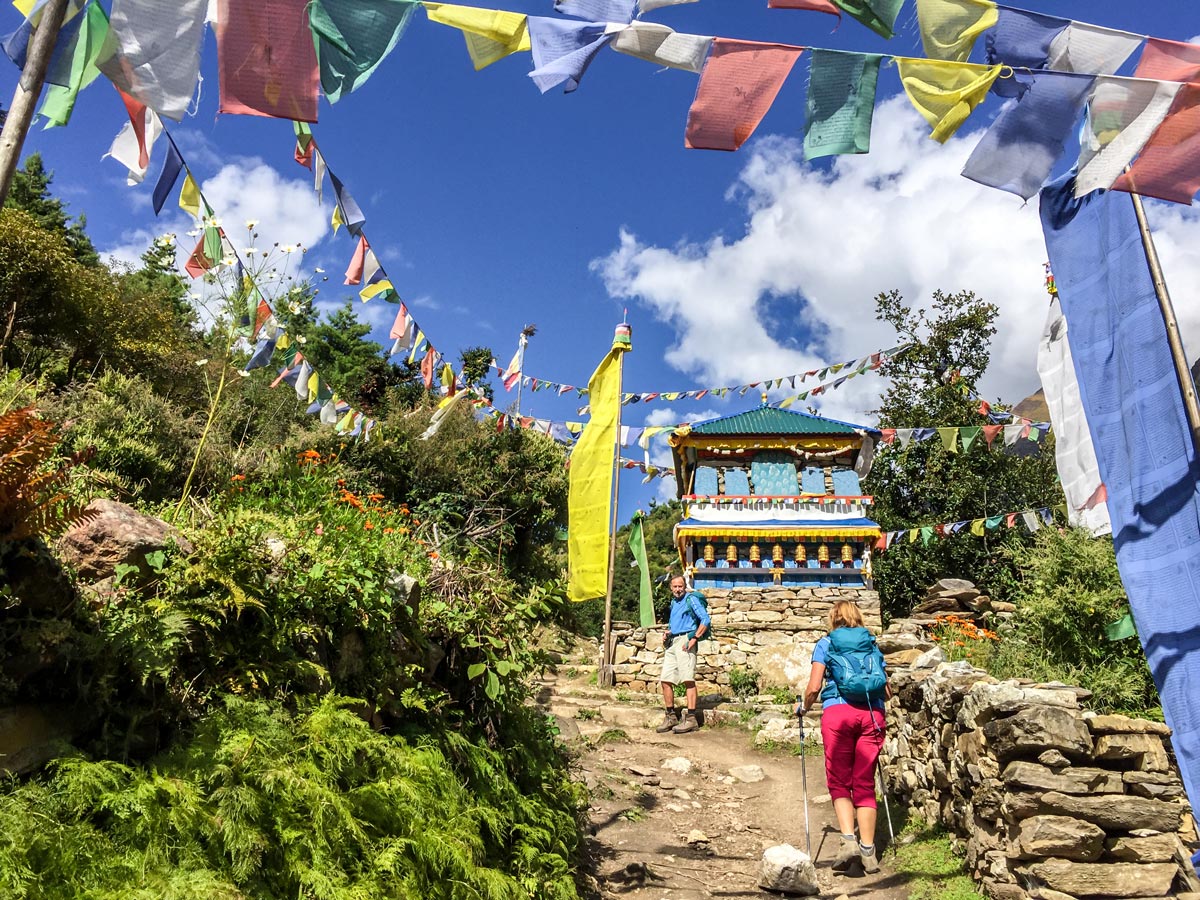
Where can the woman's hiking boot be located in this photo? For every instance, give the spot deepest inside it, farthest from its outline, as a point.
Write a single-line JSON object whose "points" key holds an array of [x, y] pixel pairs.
{"points": [[687, 722], [848, 854], [670, 720], [869, 863]]}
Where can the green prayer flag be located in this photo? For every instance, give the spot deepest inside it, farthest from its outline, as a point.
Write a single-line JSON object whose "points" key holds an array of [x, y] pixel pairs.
{"points": [[352, 37], [969, 434], [213, 250], [926, 535], [637, 546], [1121, 629], [83, 50], [840, 103], [949, 438], [991, 523], [878, 15]]}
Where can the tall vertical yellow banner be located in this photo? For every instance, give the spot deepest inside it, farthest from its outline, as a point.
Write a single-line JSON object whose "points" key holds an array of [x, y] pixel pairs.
{"points": [[589, 504]]}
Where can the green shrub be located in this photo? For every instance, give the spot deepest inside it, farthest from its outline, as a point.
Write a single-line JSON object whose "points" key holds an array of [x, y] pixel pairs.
{"points": [[263, 802], [1070, 591], [743, 681]]}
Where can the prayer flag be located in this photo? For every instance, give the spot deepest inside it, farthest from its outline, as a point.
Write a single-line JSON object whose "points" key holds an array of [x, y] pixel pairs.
{"points": [[1169, 61], [512, 374], [490, 34], [1121, 629], [1144, 446], [823, 6], [172, 166], [597, 10], [262, 354], [990, 432], [590, 483], [346, 211], [152, 52], [841, 102], [305, 144], [427, 368], [563, 50], [949, 438], [1020, 148], [926, 535], [266, 59], [739, 83], [949, 27], [1091, 49], [969, 435], [352, 38], [991, 523], [977, 527], [378, 283], [318, 168], [645, 6], [354, 273], [1169, 165], [207, 253], [659, 44], [945, 93], [189, 196], [1122, 114], [1021, 40], [878, 15], [133, 143], [80, 56]]}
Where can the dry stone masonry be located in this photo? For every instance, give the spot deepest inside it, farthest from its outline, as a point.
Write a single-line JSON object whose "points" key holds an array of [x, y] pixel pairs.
{"points": [[769, 630], [1049, 800]]}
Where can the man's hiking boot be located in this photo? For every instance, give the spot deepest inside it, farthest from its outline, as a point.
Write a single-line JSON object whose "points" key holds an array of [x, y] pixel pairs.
{"points": [[847, 855], [670, 720], [869, 863], [686, 723]]}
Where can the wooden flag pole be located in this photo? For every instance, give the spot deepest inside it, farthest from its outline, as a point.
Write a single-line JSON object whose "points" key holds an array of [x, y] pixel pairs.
{"points": [[1187, 385], [33, 76]]}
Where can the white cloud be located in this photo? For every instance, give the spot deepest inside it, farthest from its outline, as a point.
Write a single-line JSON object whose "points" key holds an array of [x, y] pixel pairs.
{"points": [[796, 290]]}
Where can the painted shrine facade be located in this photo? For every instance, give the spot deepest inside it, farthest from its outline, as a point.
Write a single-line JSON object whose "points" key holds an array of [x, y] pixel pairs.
{"points": [[773, 497]]}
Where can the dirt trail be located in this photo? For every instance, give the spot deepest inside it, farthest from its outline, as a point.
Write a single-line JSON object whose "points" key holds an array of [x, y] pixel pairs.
{"points": [[659, 833]]}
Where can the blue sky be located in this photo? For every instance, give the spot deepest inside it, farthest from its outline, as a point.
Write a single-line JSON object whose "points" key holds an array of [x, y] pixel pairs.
{"points": [[493, 206]]}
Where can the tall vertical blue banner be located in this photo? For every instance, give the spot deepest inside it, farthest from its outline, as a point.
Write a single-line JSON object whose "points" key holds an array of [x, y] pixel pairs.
{"points": [[1147, 458]]}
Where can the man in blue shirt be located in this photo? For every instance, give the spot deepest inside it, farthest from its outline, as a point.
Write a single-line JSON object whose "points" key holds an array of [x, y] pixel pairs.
{"points": [[688, 622]]}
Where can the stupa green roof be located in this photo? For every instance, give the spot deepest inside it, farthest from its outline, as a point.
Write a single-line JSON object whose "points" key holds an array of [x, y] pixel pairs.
{"points": [[766, 420]]}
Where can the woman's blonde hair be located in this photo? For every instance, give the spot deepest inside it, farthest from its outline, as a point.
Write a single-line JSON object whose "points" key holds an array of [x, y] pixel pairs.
{"points": [[845, 614]]}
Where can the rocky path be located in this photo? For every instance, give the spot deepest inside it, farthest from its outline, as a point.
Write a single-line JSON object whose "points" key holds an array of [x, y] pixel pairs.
{"points": [[683, 816]]}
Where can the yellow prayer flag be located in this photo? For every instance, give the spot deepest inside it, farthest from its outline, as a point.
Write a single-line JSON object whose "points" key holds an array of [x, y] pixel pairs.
{"points": [[337, 221], [949, 27], [977, 527], [314, 383], [374, 290], [346, 421], [189, 197], [945, 92], [24, 7], [589, 501], [491, 34], [912, 535], [284, 342], [420, 339]]}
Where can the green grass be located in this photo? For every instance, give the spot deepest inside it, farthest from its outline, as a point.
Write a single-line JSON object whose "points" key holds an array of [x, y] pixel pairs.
{"points": [[586, 712], [611, 736], [633, 814], [932, 869]]}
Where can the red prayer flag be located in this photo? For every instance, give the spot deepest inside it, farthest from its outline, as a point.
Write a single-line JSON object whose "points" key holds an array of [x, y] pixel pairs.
{"points": [[266, 59], [427, 369], [824, 6], [738, 84], [354, 274], [1169, 165], [304, 150], [887, 435], [990, 432], [137, 116], [1169, 61], [261, 314], [198, 263]]}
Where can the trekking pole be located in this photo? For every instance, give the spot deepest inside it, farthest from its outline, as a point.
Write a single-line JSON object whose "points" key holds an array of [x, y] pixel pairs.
{"points": [[804, 782], [887, 809]]}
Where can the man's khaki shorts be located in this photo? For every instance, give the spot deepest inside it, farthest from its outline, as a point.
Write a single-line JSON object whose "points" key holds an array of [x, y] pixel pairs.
{"points": [[679, 665]]}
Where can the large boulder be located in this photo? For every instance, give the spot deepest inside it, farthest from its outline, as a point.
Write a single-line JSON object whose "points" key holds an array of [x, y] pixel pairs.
{"points": [[1104, 879], [1062, 836], [1072, 780], [789, 871], [113, 534], [1112, 812], [784, 665], [1030, 731]]}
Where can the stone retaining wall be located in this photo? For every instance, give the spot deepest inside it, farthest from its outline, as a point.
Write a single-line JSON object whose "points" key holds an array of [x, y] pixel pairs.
{"points": [[770, 630], [1048, 799]]}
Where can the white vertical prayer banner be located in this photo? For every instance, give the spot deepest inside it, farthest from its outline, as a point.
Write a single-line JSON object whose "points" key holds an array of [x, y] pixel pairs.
{"points": [[1091, 49], [1078, 470], [1122, 114], [152, 52]]}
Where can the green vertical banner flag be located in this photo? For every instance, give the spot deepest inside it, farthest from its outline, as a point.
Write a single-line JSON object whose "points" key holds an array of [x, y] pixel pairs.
{"points": [[80, 54], [637, 546], [841, 102], [878, 15]]}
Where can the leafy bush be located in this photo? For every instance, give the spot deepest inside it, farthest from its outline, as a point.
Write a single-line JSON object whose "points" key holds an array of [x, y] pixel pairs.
{"points": [[743, 681], [1070, 591], [262, 802]]}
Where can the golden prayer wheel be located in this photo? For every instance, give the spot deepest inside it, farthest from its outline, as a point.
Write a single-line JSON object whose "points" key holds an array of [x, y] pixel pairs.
{"points": [[801, 555], [823, 555], [710, 555], [847, 556], [755, 555], [731, 553], [777, 555]]}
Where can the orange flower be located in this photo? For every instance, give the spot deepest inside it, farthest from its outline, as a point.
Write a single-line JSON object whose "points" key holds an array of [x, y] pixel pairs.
{"points": [[388, 530], [368, 525], [238, 478], [374, 498]]}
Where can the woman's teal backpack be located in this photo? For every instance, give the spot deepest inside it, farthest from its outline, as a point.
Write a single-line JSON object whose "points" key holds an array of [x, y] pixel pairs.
{"points": [[856, 665]]}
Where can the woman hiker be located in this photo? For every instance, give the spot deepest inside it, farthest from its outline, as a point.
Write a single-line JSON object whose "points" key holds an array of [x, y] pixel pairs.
{"points": [[851, 727]]}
